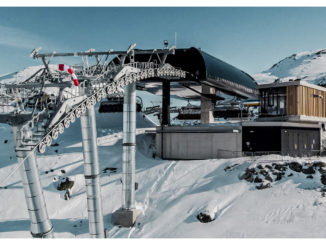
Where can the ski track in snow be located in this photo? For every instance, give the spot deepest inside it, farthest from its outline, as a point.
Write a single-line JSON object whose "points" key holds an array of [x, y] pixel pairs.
{"points": [[157, 185]]}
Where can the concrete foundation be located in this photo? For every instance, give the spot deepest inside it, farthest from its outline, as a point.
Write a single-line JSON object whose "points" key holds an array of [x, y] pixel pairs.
{"points": [[125, 217], [199, 142]]}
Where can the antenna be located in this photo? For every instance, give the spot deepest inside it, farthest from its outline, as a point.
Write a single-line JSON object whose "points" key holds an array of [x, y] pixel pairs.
{"points": [[131, 47]]}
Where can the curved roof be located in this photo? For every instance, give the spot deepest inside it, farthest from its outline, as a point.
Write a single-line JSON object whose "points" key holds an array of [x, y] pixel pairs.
{"points": [[211, 71], [214, 71]]}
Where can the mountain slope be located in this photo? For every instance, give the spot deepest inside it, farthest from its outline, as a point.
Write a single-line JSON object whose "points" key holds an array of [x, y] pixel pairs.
{"points": [[309, 66]]}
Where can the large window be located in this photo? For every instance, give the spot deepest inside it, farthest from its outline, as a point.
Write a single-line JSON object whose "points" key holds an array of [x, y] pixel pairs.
{"points": [[273, 102]]}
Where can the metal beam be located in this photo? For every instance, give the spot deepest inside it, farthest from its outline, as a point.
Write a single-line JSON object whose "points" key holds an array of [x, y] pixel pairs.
{"points": [[155, 51], [38, 85]]}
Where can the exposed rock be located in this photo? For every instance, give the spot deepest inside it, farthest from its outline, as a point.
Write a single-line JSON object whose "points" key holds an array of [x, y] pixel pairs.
{"points": [[322, 170], [269, 178], [279, 167], [65, 184], [310, 177], [262, 186], [268, 166], [246, 175], [112, 170], [291, 174], [323, 179], [260, 166], [230, 168], [251, 170], [258, 180], [276, 173], [309, 170], [63, 171], [5, 141], [263, 172], [67, 195], [295, 166], [204, 218], [55, 144], [319, 164], [278, 177]]}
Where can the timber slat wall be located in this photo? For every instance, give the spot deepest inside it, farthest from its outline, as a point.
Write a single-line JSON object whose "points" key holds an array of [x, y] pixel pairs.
{"points": [[300, 100]]}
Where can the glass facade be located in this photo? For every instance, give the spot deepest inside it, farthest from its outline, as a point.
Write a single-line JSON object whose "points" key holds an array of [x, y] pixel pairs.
{"points": [[273, 102]]}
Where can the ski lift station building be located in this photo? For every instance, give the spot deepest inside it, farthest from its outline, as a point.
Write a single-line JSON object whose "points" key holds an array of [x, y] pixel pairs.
{"points": [[291, 121], [291, 115]]}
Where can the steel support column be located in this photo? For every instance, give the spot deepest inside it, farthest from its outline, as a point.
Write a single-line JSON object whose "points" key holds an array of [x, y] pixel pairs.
{"points": [[165, 103], [129, 144], [127, 215], [92, 174], [41, 226]]}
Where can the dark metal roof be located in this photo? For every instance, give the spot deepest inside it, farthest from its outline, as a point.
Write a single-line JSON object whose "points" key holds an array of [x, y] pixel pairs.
{"points": [[211, 71], [214, 72], [218, 68]]}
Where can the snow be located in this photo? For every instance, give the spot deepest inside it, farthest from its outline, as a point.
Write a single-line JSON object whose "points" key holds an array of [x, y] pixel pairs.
{"points": [[17, 77], [171, 193], [308, 66]]}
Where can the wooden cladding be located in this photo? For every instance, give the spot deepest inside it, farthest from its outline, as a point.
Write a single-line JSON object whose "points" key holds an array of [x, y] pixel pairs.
{"points": [[302, 100]]}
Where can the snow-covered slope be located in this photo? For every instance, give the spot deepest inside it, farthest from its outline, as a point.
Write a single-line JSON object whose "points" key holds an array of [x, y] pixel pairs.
{"points": [[171, 194], [309, 66]]}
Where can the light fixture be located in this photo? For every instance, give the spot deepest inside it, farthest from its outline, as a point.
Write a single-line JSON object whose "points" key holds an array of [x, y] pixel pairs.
{"points": [[166, 44]]}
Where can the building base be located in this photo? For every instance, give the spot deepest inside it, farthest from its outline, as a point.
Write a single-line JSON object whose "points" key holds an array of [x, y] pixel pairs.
{"points": [[125, 217], [199, 142]]}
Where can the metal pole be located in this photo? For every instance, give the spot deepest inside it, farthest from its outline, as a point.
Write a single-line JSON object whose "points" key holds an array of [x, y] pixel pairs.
{"points": [[129, 144], [165, 103], [41, 226], [92, 174]]}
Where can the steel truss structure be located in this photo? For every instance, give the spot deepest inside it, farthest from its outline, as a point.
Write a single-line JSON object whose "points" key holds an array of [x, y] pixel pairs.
{"points": [[42, 106]]}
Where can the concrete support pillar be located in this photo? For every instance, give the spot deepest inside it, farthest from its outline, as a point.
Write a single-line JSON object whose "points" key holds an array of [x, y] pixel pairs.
{"points": [[207, 105], [41, 226], [126, 216], [92, 174]]}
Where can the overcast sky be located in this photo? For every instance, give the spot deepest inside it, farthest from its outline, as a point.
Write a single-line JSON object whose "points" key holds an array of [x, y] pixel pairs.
{"points": [[252, 39]]}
